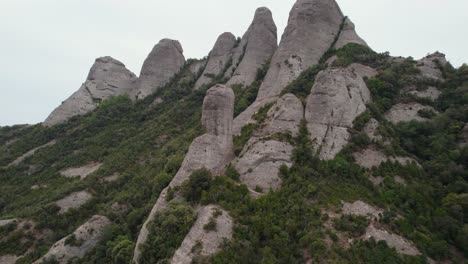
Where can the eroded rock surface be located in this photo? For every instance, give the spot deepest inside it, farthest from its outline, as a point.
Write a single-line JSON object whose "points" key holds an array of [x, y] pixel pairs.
{"points": [[407, 112], [107, 77], [429, 66], [218, 60], [162, 64], [371, 130], [210, 241], [88, 235], [348, 35], [257, 46], [430, 92], [362, 209], [371, 157], [212, 151], [338, 97], [30, 153], [7, 222], [8, 259], [73, 201], [400, 244], [81, 172]]}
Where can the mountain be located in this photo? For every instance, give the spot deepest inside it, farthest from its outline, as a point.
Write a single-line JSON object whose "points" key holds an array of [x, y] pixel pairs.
{"points": [[313, 150]]}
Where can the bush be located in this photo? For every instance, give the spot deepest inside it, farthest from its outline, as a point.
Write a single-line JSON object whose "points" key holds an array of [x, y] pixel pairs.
{"points": [[199, 182]]}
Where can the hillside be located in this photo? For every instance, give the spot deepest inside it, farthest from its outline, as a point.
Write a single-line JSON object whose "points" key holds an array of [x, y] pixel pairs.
{"points": [[316, 150]]}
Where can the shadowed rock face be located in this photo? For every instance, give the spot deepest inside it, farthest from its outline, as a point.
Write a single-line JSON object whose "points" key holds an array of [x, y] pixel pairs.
{"points": [[348, 35], [89, 234], [212, 151], [107, 77], [312, 27], [256, 48], [338, 97], [218, 60], [163, 63]]}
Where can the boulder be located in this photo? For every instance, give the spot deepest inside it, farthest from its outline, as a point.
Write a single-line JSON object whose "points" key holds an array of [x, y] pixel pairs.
{"points": [[429, 66], [338, 97], [208, 241], [107, 77], [212, 151], [348, 35], [407, 112], [162, 64], [257, 46], [7, 222], [73, 201], [8, 259], [218, 60], [87, 236]]}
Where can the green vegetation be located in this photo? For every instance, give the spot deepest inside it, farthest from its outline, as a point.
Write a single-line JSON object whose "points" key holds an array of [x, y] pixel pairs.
{"points": [[354, 225]]}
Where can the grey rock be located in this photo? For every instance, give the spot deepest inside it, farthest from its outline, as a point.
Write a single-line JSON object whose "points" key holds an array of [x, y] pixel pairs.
{"points": [[211, 241], [430, 92], [197, 66], [361, 208], [338, 97], [245, 117], [371, 157], [7, 222], [407, 112], [256, 48], [429, 68], [8, 259], [107, 77], [348, 35], [400, 244], [218, 60], [89, 234], [73, 201], [371, 130], [162, 64], [259, 163], [30, 153], [212, 151], [82, 172], [312, 27]]}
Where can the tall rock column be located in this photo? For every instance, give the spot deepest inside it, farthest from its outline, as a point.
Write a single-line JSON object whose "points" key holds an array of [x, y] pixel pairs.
{"points": [[312, 28], [107, 77], [258, 45], [212, 151], [163, 63], [219, 58]]}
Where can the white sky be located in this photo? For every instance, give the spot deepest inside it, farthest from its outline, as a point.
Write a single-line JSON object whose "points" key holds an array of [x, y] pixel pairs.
{"points": [[48, 46]]}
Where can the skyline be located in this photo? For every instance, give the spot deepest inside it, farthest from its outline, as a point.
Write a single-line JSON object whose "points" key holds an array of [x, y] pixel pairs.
{"points": [[49, 51]]}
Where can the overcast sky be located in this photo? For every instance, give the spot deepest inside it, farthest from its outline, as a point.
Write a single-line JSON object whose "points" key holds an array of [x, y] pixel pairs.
{"points": [[48, 46]]}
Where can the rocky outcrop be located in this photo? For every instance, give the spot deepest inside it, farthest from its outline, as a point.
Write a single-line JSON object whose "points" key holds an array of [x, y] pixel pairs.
{"points": [[338, 97], [28, 154], [313, 26], [371, 157], [361, 208], [208, 241], [81, 172], [218, 60], [348, 35], [107, 77], [429, 66], [400, 244], [256, 47], [7, 222], [212, 151], [371, 130], [430, 92], [86, 236], [73, 201], [8, 259], [162, 64], [259, 162], [407, 112]]}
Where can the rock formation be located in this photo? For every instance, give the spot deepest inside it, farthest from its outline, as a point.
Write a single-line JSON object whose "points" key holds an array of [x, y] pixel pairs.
{"points": [[371, 157], [212, 151], [162, 64], [259, 162], [313, 26], [73, 201], [400, 244], [28, 154], [371, 130], [430, 92], [87, 235], [407, 112], [348, 35], [210, 240], [219, 59], [256, 47], [429, 66], [81, 172], [107, 77], [362, 209], [338, 97]]}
